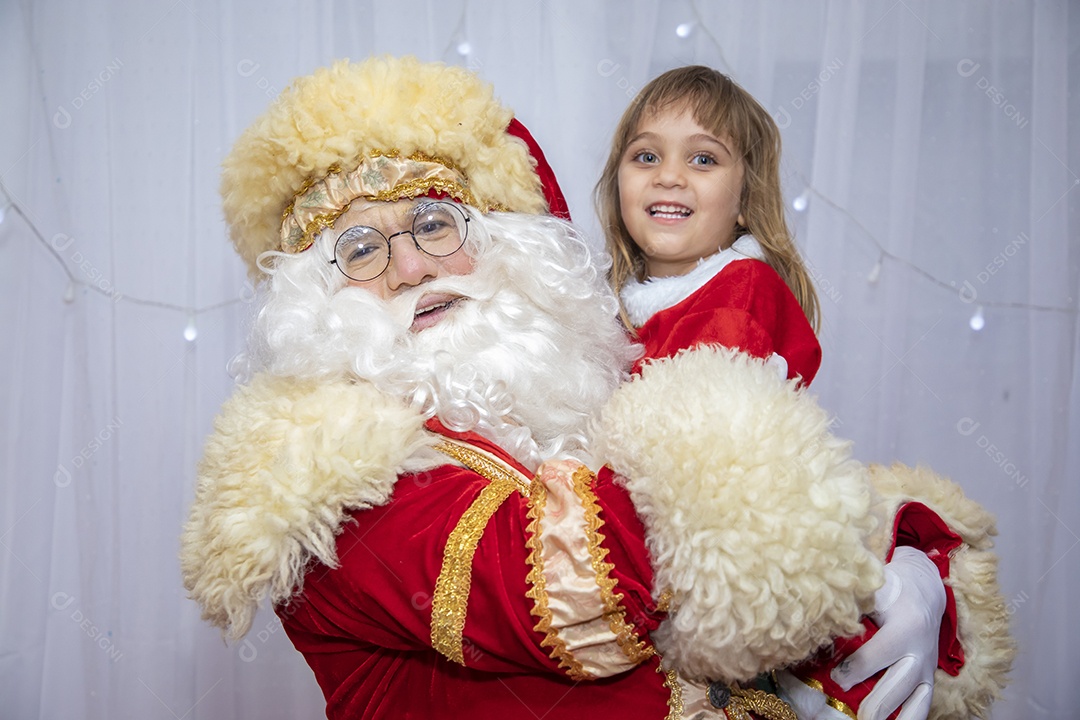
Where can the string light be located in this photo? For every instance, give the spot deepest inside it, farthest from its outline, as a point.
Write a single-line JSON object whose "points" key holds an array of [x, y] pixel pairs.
{"points": [[458, 39], [74, 282], [684, 29], [190, 331], [977, 322], [884, 254], [3, 212], [875, 273], [801, 201]]}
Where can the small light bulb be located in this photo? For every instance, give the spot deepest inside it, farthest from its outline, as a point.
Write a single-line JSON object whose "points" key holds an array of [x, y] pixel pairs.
{"points": [[801, 201], [69, 293], [684, 29], [3, 212], [977, 322], [875, 273], [464, 48], [191, 332]]}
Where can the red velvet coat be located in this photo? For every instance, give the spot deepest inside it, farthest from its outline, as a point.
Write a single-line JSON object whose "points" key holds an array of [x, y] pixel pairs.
{"points": [[475, 590], [365, 627]]}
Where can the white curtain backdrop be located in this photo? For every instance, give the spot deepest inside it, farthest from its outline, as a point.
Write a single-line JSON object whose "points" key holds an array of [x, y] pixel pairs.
{"points": [[932, 157]]}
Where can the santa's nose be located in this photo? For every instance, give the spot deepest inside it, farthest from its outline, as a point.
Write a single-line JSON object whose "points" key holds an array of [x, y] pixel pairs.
{"points": [[409, 265]]}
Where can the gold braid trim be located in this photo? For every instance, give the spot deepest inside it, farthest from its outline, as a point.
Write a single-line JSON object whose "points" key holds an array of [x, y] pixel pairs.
{"points": [[675, 701], [483, 464], [663, 603], [538, 591], [767, 705], [450, 604], [412, 188], [634, 648], [838, 705]]}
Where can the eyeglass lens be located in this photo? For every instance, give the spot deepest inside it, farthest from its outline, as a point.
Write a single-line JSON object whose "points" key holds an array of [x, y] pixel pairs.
{"points": [[438, 228]]}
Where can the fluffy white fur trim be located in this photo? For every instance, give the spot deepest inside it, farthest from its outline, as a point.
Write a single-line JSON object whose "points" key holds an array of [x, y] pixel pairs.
{"points": [[286, 460], [642, 300], [982, 615], [346, 111], [757, 519]]}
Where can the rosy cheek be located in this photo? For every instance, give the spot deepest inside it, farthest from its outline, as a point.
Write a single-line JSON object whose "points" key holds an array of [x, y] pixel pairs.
{"points": [[376, 287], [460, 263]]}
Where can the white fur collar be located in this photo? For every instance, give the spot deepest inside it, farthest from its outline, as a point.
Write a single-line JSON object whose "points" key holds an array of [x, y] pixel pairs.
{"points": [[642, 300]]}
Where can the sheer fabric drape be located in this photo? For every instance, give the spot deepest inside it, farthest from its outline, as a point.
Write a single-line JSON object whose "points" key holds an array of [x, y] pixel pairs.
{"points": [[930, 169]]}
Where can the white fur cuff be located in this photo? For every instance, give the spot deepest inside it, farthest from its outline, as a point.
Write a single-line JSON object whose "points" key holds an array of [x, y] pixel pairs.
{"points": [[286, 461], [756, 518], [981, 612]]}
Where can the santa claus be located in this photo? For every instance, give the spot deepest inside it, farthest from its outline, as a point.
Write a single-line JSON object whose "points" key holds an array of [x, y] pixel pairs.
{"points": [[437, 471]]}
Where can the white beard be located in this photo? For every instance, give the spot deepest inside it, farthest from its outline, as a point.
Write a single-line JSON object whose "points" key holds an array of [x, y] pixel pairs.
{"points": [[526, 358], [500, 365]]}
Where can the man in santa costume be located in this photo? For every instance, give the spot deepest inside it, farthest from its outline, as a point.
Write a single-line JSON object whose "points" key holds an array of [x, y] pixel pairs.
{"points": [[437, 472]]}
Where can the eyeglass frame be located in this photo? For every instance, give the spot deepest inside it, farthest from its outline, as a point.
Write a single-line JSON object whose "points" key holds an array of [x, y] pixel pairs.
{"points": [[416, 211]]}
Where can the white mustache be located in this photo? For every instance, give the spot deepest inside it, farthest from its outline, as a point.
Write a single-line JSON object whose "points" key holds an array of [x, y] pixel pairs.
{"points": [[402, 307]]}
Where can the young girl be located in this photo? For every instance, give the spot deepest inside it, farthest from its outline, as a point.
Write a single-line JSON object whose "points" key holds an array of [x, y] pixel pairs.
{"points": [[691, 205], [694, 217]]}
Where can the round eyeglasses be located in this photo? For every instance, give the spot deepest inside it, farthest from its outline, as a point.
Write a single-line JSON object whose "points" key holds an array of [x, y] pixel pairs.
{"points": [[439, 229]]}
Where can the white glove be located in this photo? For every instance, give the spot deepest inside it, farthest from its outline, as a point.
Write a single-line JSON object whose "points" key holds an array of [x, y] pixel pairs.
{"points": [[908, 610]]}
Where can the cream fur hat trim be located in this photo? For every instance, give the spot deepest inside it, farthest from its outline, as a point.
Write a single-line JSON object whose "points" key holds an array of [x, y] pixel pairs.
{"points": [[385, 129]]}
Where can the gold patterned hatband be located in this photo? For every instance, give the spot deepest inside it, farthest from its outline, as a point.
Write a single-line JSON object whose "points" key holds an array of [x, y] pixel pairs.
{"points": [[381, 176]]}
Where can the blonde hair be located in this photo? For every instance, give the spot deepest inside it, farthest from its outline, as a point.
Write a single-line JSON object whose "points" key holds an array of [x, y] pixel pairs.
{"points": [[719, 105]]}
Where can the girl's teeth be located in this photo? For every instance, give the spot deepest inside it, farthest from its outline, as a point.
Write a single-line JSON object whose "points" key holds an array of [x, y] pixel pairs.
{"points": [[669, 211]]}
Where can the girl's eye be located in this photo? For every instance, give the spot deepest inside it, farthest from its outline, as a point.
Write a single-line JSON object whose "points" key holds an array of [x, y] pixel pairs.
{"points": [[646, 157], [702, 159]]}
